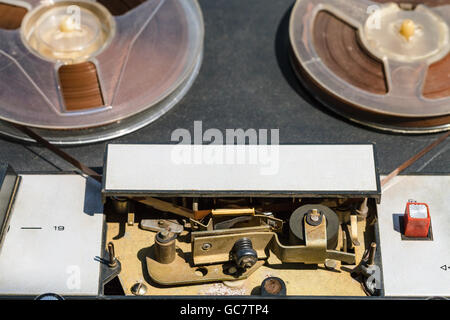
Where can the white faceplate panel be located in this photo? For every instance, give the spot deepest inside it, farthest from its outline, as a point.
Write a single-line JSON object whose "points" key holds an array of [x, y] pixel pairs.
{"points": [[415, 267], [321, 168], [54, 237]]}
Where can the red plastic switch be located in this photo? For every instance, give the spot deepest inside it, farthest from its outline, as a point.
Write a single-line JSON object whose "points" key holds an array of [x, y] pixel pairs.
{"points": [[417, 219]]}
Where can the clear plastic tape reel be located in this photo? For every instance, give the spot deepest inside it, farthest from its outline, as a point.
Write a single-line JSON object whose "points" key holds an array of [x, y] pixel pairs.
{"points": [[405, 60], [146, 61]]}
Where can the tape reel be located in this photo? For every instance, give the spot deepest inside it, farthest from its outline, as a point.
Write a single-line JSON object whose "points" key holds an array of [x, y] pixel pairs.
{"points": [[376, 62], [86, 71]]}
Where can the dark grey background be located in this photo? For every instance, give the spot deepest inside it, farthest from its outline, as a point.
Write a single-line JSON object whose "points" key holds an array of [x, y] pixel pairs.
{"points": [[246, 82]]}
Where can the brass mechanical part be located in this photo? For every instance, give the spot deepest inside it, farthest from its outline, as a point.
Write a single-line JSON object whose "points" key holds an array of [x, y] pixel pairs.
{"points": [[130, 219], [215, 246], [165, 246], [212, 256], [313, 252], [354, 229], [158, 225], [301, 280], [220, 244], [112, 260], [179, 272], [233, 212], [200, 214], [210, 251], [296, 229]]}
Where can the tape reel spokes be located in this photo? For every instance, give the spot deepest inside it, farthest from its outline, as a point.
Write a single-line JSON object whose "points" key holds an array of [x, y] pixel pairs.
{"points": [[364, 60], [134, 66]]}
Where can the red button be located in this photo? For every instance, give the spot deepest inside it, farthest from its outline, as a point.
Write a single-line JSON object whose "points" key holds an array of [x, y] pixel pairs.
{"points": [[417, 220]]}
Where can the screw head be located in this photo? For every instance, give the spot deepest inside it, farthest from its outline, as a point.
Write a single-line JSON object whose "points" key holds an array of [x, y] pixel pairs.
{"points": [[139, 289], [206, 246], [314, 217]]}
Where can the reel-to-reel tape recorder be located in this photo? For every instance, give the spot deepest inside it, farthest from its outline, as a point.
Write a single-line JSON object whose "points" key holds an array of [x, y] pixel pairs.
{"points": [[175, 220]]}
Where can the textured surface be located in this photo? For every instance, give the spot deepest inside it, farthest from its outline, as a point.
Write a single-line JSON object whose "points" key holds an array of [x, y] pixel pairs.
{"points": [[246, 81]]}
